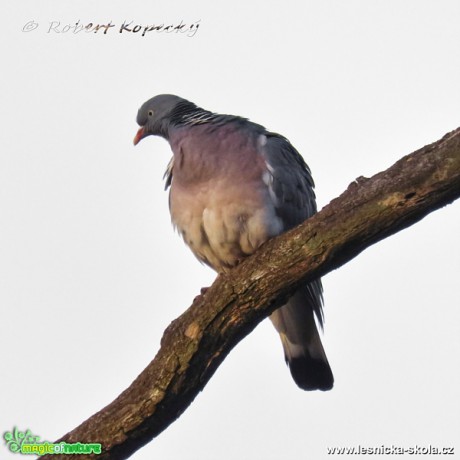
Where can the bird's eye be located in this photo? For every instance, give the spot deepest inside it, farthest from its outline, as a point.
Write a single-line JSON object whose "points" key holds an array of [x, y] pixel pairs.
{"points": [[150, 113]]}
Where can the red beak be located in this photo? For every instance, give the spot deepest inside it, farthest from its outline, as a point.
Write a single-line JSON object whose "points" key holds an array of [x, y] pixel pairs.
{"points": [[139, 135]]}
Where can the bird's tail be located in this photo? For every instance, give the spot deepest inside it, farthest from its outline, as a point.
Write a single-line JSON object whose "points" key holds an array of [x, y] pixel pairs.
{"points": [[302, 345]]}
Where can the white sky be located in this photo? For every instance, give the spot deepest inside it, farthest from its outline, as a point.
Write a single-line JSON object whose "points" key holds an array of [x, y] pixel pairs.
{"points": [[91, 271]]}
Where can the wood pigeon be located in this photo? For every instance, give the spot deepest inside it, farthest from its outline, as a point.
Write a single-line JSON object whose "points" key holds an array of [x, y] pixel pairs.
{"points": [[233, 185]]}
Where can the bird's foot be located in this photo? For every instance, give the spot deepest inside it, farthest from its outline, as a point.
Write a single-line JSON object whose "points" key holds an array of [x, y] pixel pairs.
{"points": [[203, 291]]}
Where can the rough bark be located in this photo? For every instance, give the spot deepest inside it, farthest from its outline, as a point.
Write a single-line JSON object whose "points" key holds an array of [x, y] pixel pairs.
{"points": [[196, 343]]}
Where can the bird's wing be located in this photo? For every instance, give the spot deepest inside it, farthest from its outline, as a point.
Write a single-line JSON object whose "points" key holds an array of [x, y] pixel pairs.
{"points": [[290, 182], [292, 191]]}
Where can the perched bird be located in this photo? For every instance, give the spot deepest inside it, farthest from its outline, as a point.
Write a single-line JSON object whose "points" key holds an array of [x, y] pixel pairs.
{"points": [[233, 185]]}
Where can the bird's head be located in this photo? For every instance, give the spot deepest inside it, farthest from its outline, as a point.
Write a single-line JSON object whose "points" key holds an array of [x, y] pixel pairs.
{"points": [[157, 114]]}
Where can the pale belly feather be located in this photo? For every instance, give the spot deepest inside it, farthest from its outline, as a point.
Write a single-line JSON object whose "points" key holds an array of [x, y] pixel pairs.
{"points": [[223, 224]]}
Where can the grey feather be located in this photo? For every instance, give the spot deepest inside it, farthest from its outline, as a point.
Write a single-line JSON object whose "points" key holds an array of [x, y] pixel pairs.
{"points": [[292, 181]]}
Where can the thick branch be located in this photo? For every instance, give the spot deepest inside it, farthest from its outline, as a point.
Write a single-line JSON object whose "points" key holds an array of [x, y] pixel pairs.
{"points": [[196, 343]]}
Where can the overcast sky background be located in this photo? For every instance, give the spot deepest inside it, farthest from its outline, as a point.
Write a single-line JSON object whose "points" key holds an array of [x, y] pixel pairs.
{"points": [[91, 271]]}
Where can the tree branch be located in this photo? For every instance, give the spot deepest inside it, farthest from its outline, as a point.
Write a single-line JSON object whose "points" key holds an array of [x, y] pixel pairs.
{"points": [[195, 344]]}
